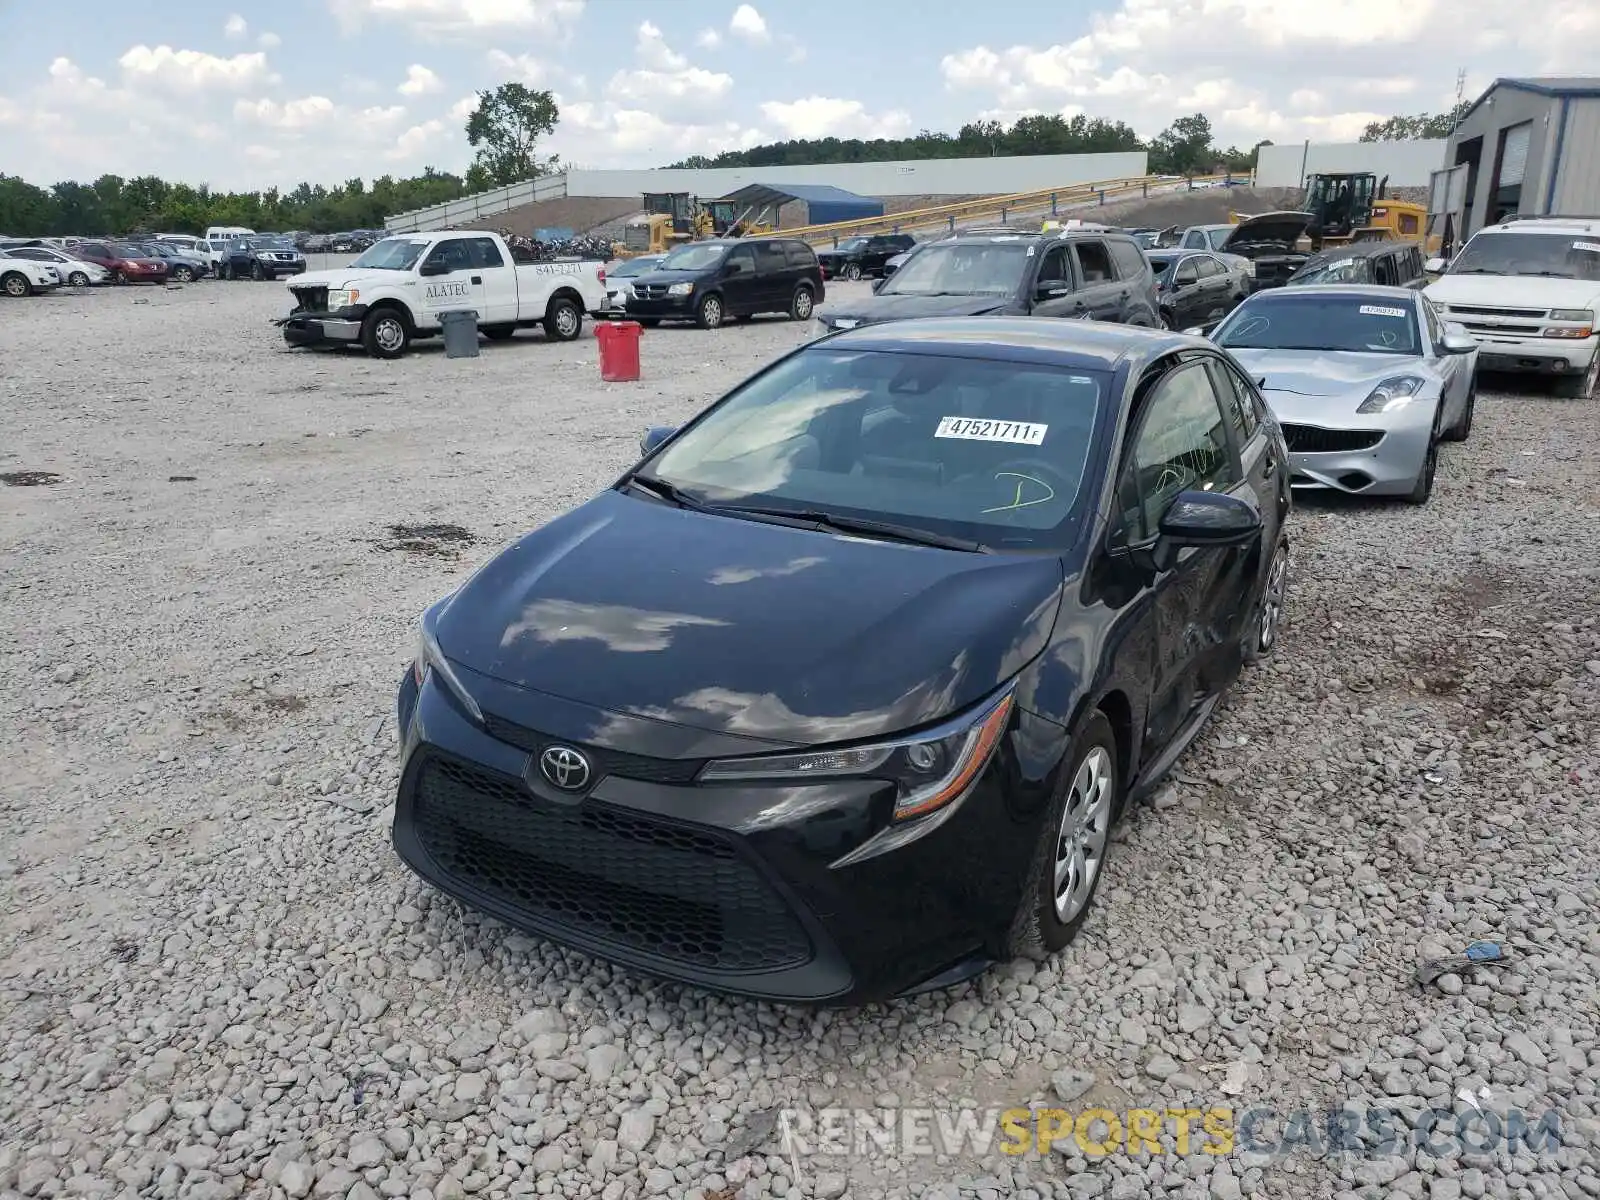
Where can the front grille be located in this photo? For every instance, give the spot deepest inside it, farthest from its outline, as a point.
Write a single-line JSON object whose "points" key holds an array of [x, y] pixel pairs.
{"points": [[670, 891], [606, 762], [311, 299], [1481, 327], [651, 291], [1312, 439], [1522, 314]]}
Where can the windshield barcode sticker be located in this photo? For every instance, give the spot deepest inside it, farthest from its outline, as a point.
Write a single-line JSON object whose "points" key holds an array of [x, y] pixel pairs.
{"points": [[1591, 247], [1377, 310], [975, 429]]}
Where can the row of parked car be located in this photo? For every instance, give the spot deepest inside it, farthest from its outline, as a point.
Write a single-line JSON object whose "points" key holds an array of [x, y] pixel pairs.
{"points": [[31, 266]]}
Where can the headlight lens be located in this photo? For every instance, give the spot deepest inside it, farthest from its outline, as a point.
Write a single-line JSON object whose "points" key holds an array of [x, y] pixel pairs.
{"points": [[431, 658], [1583, 316], [680, 289], [338, 297], [932, 769], [1393, 393]]}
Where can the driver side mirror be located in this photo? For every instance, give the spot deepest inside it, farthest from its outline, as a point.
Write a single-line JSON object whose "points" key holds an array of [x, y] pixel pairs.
{"points": [[1457, 340], [1199, 520], [1052, 290], [654, 436], [433, 268], [737, 267]]}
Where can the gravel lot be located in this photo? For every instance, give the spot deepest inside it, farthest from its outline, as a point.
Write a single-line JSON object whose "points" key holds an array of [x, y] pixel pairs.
{"points": [[217, 980]]}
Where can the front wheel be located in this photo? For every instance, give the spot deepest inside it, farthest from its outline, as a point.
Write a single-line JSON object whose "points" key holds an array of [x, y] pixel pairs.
{"points": [[710, 313], [852, 271], [1462, 429], [1073, 842], [78, 279], [183, 275], [1423, 489], [1165, 320], [1582, 387], [1261, 635], [563, 321], [257, 273], [16, 285], [385, 334], [225, 270], [801, 306]]}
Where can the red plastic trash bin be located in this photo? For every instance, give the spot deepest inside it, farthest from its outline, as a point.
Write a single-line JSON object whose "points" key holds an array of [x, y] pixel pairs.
{"points": [[619, 350]]}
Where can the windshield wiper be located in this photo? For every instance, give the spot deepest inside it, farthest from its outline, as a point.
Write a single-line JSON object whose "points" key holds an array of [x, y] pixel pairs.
{"points": [[886, 530], [662, 490]]}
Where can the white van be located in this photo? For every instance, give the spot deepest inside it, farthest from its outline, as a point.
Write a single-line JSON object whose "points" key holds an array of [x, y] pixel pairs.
{"points": [[224, 233]]}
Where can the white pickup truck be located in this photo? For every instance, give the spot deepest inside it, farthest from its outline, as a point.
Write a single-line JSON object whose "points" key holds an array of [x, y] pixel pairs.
{"points": [[396, 291]]}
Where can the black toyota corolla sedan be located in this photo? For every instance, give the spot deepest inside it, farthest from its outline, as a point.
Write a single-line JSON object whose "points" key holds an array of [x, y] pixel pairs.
{"points": [[837, 693]]}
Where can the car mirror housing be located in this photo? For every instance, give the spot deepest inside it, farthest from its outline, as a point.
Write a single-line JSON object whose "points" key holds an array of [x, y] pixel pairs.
{"points": [[437, 268], [1201, 519], [1051, 291], [1458, 341], [654, 436]]}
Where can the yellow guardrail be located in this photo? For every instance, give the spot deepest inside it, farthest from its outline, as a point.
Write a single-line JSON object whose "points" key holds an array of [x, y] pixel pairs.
{"points": [[1072, 195]]}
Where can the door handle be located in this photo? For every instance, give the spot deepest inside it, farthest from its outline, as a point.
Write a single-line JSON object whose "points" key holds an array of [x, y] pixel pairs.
{"points": [[477, 279], [1271, 469]]}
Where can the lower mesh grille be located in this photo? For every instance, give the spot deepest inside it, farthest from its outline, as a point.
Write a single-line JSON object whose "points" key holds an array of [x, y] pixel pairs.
{"points": [[666, 890], [1311, 439], [311, 299]]}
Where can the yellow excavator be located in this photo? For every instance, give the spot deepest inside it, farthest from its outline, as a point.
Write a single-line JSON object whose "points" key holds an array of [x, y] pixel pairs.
{"points": [[672, 218], [1354, 207]]}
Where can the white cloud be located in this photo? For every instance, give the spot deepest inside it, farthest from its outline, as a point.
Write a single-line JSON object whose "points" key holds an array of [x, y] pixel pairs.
{"points": [[415, 140], [236, 27], [708, 39], [269, 41], [603, 135], [546, 18], [826, 116], [535, 72], [420, 81], [193, 70], [308, 112], [748, 24], [653, 51], [666, 83], [464, 108], [1245, 63]]}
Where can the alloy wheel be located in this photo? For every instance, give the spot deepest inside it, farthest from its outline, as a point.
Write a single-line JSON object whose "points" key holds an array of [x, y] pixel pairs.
{"points": [[1085, 829], [389, 334], [1272, 600], [567, 321]]}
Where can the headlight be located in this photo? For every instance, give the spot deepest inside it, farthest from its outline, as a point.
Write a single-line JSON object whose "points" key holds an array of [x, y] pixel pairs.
{"points": [[264, 254], [1393, 393], [680, 289], [1583, 316], [431, 658], [343, 297], [932, 769]]}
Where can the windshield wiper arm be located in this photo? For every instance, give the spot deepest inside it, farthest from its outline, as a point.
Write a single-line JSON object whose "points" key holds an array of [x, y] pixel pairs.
{"points": [[887, 530], [662, 490]]}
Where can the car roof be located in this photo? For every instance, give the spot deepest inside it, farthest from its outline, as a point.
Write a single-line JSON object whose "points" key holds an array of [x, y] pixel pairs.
{"points": [[1359, 250], [1079, 345], [1546, 225], [1353, 291]]}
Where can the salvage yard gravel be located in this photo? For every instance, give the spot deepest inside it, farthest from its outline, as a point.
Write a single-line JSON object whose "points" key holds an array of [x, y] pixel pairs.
{"points": [[217, 979]]}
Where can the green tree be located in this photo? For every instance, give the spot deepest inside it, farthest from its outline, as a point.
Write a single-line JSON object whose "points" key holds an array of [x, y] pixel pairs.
{"points": [[1420, 127], [1183, 148], [505, 130]]}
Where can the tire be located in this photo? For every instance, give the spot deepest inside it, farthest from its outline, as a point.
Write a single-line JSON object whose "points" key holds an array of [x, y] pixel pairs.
{"points": [[1430, 465], [118, 277], [563, 320], [183, 275], [852, 271], [802, 304], [649, 322], [1583, 387], [15, 284], [1076, 826], [1165, 320], [497, 333], [710, 313], [1261, 634], [256, 273], [224, 270], [385, 333], [78, 279], [1462, 429]]}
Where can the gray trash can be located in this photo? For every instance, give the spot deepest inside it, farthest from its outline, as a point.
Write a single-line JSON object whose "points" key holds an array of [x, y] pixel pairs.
{"points": [[460, 333]]}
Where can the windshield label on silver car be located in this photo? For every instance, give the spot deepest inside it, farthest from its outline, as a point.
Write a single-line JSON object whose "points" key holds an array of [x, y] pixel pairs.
{"points": [[1377, 310], [972, 429], [1591, 247]]}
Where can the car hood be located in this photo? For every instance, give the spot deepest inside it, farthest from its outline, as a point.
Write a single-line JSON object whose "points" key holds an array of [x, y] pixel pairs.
{"points": [[1514, 291], [344, 277], [1324, 372], [673, 276], [1266, 232], [893, 307], [764, 631]]}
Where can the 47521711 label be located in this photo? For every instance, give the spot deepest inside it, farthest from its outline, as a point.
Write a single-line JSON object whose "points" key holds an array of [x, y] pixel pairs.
{"points": [[982, 429]]}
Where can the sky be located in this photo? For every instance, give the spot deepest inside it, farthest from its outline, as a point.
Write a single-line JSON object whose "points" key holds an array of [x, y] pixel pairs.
{"points": [[242, 94]]}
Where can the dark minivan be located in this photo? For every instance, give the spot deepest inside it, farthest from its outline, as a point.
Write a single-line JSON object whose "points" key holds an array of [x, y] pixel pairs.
{"points": [[708, 282]]}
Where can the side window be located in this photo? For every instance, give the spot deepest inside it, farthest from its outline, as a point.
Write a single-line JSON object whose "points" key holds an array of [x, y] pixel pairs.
{"points": [[1093, 261], [1431, 318], [1193, 240], [1188, 272], [1053, 268], [485, 253], [1181, 446], [798, 254], [1129, 258], [1383, 270], [1209, 268], [1237, 404], [770, 259], [742, 260], [28, 252], [452, 255]]}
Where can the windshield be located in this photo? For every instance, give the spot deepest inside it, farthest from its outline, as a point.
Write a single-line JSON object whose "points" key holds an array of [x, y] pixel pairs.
{"points": [[1335, 270], [993, 451], [637, 266], [1284, 321], [1216, 237], [1161, 264], [391, 254], [128, 250], [692, 258], [962, 269], [1570, 256]]}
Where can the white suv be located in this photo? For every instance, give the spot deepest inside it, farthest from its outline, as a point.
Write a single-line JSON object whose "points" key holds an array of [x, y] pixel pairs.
{"points": [[1529, 290]]}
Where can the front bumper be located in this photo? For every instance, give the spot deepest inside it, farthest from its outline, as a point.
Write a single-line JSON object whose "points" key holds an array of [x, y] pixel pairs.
{"points": [[682, 307], [1535, 356], [1380, 454], [342, 327], [731, 888]]}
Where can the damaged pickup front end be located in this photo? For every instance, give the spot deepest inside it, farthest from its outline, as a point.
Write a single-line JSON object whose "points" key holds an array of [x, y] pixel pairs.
{"points": [[323, 316]]}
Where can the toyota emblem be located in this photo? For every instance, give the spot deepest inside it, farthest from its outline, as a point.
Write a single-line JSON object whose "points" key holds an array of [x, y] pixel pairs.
{"points": [[565, 768]]}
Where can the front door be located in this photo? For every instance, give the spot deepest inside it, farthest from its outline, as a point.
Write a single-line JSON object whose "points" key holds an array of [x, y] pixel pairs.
{"points": [[1181, 445], [1215, 289], [1188, 298], [1055, 292], [741, 290], [1104, 296], [499, 282], [458, 286]]}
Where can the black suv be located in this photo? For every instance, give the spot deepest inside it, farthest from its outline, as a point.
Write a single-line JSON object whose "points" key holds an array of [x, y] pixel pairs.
{"points": [[858, 256], [260, 257], [1086, 274], [1393, 264], [708, 282]]}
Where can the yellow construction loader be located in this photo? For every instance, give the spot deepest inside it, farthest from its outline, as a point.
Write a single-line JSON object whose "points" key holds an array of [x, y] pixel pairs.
{"points": [[672, 218], [1353, 207]]}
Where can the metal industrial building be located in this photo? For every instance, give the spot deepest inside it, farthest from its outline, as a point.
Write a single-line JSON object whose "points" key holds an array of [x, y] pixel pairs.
{"points": [[1529, 146]]}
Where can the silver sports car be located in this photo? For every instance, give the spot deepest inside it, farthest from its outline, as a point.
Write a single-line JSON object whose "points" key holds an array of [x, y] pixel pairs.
{"points": [[1366, 382]]}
